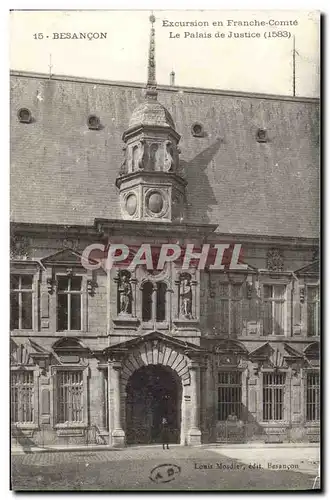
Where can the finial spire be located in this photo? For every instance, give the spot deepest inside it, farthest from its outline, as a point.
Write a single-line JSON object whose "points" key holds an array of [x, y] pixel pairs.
{"points": [[151, 90]]}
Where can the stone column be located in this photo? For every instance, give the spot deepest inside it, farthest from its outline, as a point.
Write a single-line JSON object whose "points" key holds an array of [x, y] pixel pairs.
{"points": [[194, 433], [118, 434]]}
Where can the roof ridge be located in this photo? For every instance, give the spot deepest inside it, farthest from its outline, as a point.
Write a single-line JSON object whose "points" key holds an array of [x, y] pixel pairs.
{"points": [[168, 88]]}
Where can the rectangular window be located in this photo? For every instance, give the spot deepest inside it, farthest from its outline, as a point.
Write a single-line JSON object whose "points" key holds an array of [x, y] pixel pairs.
{"points": [[229, 395], [313, 311], [21, 302], [274, 301], [273, 396], [69, 385], [236, 308], [69, 298], [313, 397], [230, 308], [21, 396], [223, 304]]}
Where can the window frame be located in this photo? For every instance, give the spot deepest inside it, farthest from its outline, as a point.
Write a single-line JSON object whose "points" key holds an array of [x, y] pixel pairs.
{"points": [[218, 385], [230, 300], [35, 398], [68, 294], [154, 300], [54, 406], [273, 300], [306, 373], [317, 302], [30, 269], [285, 388]]}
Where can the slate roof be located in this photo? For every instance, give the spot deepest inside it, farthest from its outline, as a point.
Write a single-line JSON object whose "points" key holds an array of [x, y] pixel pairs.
{"points": [[64, 173]]}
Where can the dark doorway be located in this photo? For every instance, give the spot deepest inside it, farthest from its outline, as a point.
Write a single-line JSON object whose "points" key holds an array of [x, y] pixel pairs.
{"points": [[153, 392]]}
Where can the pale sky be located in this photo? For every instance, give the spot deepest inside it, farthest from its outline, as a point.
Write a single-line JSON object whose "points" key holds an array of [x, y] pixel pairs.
{"points": [[244, 64]]}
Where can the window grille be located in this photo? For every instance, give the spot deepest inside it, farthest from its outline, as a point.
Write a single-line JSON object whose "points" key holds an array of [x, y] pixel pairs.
{"points": [[229, 395], [274, 309], [273, 396], [69, 396], [313, 397], [313, 311], [21, 396], [21, 302], [69, 298]]}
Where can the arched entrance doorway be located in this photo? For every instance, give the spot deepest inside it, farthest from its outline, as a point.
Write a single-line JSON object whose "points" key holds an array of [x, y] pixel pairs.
{"points": [[153, 392]]}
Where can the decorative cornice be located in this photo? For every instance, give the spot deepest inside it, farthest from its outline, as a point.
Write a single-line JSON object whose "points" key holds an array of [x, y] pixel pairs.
{"points": [[147, 228], [164, 177], [57, 230]]}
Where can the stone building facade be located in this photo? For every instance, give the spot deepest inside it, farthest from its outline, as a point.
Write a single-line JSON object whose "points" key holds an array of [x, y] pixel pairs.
{"points": [[102, 355]]}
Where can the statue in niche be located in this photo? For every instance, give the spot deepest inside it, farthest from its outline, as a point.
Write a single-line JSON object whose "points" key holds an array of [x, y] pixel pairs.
{"points": [[142, 155], [122, 170], [169, 160], [125, 294], [186, 296]]}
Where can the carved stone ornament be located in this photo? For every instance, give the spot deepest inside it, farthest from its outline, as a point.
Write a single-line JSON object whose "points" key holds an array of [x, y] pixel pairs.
{"points": [[228, 359], [51, 285], [274, 260], [249, 290], [91, 287], [302, 294], [169, 160], [142, 154], [19, 247], [71, 243]]}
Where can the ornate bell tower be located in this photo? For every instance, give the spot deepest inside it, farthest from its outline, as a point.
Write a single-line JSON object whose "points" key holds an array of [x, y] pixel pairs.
{"points": [[150, 185]]}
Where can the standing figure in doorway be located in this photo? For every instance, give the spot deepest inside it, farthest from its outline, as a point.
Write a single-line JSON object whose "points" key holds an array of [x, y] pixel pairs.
{"points": [[165, 433]]}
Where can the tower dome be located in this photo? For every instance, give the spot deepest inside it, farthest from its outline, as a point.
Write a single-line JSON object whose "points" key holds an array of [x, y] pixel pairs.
{"points": [[151, 112]]}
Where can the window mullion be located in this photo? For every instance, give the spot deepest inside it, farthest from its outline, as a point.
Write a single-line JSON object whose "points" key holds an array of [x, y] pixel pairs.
{"points": [[19, 310], [69, 309]]}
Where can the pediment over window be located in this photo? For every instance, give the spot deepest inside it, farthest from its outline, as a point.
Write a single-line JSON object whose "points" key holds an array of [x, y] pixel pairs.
{"points": [[66, 257], [230, 347], [277, 355], [154, 337], [27, 354], [312, 268], [312, 351], [69, 344], [250, 269]]}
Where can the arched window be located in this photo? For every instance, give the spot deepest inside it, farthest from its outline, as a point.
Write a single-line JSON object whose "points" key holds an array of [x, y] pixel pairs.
{"points": [[154, 301], [161, 302], [147, 292]]}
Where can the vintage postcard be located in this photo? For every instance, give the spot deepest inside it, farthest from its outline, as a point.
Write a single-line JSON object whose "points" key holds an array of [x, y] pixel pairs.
{"points": [[164, 250]]}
